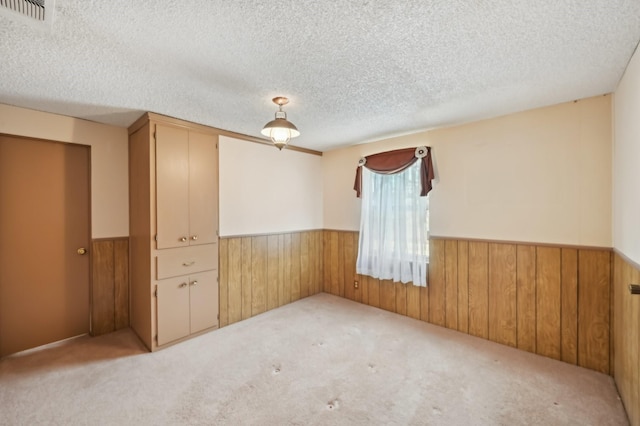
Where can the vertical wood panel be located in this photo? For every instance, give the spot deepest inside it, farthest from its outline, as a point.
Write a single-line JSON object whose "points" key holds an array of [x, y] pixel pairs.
{"points": [[103, 288], [234, 264], [526, 297], [326, 261], [295, 266], [364, 289], [320, 262], [413, 301], [341, 266], [502, 293], [437, 295], [282, 260], [451, 283], [334, 261], [569, 317], [288, 267], [548, 302], [593, 309], [121, 282], [478, 289], [374, 291], [246, 277], [273, 269], [349, 265], [463, 286], [401, 297], [223, 288], [388, 295], [313, 257], [305, 271], [424, 304]]}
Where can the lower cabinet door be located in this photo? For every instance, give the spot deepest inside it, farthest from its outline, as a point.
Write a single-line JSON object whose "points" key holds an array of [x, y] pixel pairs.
{"points": [[203, 289], [173, 309]]}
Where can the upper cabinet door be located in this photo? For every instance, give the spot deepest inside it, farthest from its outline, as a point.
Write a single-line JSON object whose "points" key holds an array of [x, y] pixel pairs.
{"points": [[172, 186], [203, 188]]}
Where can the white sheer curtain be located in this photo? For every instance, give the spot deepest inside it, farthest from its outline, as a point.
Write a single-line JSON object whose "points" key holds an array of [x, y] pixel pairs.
{"points": [[394, 227]]}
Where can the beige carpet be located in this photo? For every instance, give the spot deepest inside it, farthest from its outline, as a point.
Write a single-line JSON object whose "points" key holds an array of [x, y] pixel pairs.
{"points": [[319, 361]]}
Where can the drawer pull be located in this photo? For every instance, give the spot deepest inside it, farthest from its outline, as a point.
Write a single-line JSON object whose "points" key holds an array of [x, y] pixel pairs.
{"points": [[193, 283], [182, 285], [194, 237], [188, 263], [183, 239]]}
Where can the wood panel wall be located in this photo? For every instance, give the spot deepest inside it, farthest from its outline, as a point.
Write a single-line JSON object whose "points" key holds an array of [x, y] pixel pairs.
{"points": [[553, 301], [109, 285], [260, 273], [627, 336]]}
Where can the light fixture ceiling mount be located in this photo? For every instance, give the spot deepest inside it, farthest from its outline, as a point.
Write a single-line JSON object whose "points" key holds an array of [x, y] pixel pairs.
{"points": [[280, 130]]}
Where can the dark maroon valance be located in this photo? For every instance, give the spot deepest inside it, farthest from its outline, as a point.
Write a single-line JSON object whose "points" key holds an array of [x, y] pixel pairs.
{"points": [[395, 161]]}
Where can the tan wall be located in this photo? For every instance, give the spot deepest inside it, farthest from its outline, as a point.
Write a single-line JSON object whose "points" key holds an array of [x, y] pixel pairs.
{"points": [[549, 300], [626, 237], [109, 164], [260, 273], [264, 190], [542, 176], [626, 158]]}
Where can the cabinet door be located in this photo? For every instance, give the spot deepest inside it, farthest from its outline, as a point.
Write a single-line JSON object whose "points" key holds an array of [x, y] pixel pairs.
{"points": [[172, 186], [173, 309], [203, 188], [203, 289]]}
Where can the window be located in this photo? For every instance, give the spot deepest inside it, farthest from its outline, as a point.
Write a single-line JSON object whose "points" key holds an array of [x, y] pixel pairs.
{"points": [[394, 226]]}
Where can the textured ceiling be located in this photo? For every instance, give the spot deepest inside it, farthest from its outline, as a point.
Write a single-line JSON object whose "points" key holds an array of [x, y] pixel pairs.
{"points": [[354, 71]]}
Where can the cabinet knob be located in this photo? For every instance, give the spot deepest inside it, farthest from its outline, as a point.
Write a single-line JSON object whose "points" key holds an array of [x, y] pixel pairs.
{"points": [[194, 283], [182, 285], [194, 237], [183, 239]]}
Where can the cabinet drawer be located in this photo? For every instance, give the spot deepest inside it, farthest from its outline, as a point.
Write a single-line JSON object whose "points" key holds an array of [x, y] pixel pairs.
{"points": [[186, 260]]}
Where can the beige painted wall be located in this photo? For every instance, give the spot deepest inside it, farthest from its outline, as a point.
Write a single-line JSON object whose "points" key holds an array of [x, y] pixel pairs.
{"points": [[537, 176], [109, 161], [263, 190], [626, 162]]}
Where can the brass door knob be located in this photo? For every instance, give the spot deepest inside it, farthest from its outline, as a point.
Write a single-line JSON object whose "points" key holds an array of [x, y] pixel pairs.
{"points": [[82, 251]]}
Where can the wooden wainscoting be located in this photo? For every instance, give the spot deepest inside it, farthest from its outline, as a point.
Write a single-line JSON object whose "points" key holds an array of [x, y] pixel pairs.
{"points": [[110, 285], [260, 273], [553, 301], [627, 335]]}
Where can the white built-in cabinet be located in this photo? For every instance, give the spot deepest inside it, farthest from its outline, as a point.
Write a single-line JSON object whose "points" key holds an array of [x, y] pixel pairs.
{"points": [[186, 187], [173, 172]]}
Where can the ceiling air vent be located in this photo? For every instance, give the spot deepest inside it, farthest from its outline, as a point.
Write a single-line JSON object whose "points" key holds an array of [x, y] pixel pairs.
{"points": [[33, 9]]}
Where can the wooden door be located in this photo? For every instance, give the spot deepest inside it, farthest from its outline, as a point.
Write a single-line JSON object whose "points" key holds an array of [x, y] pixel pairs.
{"points": [[173, 309], [172, 186], [44, 220], [203, 188], [203, 288]]}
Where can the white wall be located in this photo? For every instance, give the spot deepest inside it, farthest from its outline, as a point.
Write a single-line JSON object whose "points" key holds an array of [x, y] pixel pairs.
{"points": [[109, 161], [626, 163], [264, 190], [538, 176]]}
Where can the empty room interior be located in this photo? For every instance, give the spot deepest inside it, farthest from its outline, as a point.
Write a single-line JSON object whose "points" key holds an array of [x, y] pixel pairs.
{"points": [[394, 212]]}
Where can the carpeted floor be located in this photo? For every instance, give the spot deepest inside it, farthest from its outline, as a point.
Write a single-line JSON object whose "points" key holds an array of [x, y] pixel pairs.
{"points": [[322, 360]]}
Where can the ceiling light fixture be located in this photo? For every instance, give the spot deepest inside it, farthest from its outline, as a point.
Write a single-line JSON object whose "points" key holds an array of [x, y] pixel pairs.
{"points": [[280, 130]]}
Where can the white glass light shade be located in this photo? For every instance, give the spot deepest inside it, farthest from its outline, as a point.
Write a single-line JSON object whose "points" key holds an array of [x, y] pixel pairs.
{"points": [[280, 131]]}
